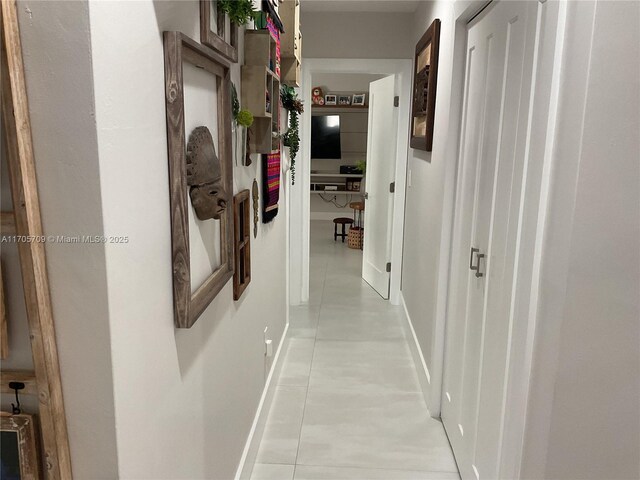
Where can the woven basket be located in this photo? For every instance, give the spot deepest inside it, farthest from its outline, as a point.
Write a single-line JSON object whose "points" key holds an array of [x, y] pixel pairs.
{"points": [[354, 239]]}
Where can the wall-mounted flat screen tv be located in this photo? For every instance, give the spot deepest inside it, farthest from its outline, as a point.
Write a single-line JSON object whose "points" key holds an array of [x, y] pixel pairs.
{"points": [[325, 136]]}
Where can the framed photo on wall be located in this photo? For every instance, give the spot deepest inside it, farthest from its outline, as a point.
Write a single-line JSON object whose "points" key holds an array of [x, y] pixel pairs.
{"points": [[359, 99], [217, 31], [19, 446], [425, 76]]}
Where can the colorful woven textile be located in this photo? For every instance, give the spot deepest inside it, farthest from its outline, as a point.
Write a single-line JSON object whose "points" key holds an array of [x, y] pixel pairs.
{"points": [[271, 185], [276, 33]]}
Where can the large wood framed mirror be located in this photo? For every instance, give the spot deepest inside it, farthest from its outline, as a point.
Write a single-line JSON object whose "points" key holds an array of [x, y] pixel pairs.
{"points": [[194, 251]]}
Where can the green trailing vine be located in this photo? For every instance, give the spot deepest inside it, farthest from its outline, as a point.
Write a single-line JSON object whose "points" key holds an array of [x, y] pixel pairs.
{"points": [[240, 11], [291, 138]]}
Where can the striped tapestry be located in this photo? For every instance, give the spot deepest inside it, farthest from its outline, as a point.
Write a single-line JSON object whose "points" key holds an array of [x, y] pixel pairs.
{"points": [[271, 185]]}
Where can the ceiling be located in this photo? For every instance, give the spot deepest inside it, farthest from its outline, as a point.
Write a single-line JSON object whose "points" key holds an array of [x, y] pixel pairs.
{"points": [[385, 6]]}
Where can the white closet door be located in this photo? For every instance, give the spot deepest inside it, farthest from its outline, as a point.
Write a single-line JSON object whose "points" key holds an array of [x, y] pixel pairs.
{"points": [[496, 106]]}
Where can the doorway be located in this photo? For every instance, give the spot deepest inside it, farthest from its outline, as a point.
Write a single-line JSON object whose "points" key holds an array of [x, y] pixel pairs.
{"points": [[301, 198], [351, 144]]}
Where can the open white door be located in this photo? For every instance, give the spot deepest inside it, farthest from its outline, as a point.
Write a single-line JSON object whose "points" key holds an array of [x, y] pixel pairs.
{"points": [[381, 161]]}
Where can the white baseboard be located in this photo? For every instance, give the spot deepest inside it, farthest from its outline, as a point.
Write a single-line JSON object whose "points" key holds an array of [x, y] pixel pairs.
{"points": [[424, 377], [250, 451]]}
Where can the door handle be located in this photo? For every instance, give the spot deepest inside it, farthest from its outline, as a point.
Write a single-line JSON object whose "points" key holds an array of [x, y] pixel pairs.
{"points": [[366, 195], [476, 268]]}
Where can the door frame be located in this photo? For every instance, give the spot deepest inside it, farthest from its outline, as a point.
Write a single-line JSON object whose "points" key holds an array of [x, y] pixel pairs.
{"points": [[549, 48], [299, 207]]}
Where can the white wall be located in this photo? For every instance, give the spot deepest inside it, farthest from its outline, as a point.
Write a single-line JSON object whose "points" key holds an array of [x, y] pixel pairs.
{"points": [[428, 203], [336, 82], [355, 35], [183, 401], [583, 417], [202, 384]]}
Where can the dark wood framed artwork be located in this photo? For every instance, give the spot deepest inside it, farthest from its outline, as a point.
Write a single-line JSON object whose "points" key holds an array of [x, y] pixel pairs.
{"points": [[216, 31], [425, 76], [19, 446], [242, 243], [179, 48], [4, 333]]}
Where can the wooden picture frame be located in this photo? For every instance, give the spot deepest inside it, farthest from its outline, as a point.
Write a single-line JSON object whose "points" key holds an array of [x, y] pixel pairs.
{"points": [[216, 39], [19, 439], [425, 76], [4, 331], [242, 243], [179, 48], [359, 99], [255, 194]]}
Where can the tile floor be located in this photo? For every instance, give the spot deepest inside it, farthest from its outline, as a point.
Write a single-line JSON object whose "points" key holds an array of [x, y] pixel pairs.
{"points": [[347, 404]]}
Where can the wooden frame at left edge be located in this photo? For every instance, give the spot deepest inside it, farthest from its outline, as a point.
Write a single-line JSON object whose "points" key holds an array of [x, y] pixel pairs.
{"points": [[179, 48]]}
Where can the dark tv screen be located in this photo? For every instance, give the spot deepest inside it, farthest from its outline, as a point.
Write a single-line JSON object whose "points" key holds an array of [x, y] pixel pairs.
{"points": [[325, 136]]}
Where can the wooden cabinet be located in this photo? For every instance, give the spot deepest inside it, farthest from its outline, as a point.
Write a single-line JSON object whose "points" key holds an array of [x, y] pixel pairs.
{"points": [[261, 90], [257, 90], [290, 42], [260, 49], [291, 71]]}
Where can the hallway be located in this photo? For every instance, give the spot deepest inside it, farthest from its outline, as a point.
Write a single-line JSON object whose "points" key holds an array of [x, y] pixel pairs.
{"points": [[348, 403]]}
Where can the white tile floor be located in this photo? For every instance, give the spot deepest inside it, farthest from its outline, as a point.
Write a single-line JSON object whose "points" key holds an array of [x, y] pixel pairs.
{"points": [[348, 404]]}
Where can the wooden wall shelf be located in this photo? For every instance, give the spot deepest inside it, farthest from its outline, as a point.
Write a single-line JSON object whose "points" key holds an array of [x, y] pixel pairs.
{"points": [[290, 42], [261, 90], [24, 376], [334, 192], [340, 108]]}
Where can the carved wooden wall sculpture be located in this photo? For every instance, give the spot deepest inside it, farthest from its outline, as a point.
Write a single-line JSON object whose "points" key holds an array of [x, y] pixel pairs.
{"points": [[425, 75], [204, 176], [179, 48], [216, 36], [242, 243]]}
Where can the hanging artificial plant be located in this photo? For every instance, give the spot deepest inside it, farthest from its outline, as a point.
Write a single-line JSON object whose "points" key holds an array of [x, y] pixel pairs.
{"points": [[235, 103], [242, 117], [239, 11], [291, 138]]}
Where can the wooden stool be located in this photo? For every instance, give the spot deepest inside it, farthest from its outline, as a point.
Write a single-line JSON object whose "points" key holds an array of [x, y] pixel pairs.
{"points": [[344, 221]]}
